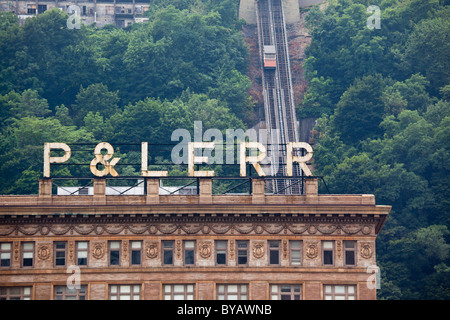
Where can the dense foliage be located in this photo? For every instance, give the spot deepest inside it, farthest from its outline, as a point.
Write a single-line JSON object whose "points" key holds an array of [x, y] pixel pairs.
{"points": [[187, 64], [382, 101], [381, 97]]}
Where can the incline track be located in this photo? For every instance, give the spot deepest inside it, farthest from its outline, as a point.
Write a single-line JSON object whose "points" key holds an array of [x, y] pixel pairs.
{"points": [[279, 106]]}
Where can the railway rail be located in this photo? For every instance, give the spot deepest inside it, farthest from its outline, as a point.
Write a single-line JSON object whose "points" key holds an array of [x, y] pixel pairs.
{"points": [[279, 106]]}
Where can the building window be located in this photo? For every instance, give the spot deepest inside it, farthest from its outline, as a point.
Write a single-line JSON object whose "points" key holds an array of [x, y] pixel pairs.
{"points": [[328, 252], [31, 8], [221, 252], [349, 253], [285, 292], [60, 253], [340, 292], [274, 252], [168, 247], [27, 254], [125, 292], [114, 253], [189, 252], [242, 252], [136, 252], [82, 253], [296, 252], [178, 292], [15, 293], [5, 254], [65, 293], [232, 291]]}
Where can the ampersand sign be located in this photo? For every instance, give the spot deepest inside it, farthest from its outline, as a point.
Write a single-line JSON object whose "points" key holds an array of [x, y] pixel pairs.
{"points": [[104, 160]]}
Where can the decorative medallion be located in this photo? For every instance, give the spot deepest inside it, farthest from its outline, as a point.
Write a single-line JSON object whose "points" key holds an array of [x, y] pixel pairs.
{"points": [[258, 250], [43, 252], [366, 250], [152, 250], [312, 250], [98, 230], [204, 249], [45, 230], [312, 229], [98, 251], [366, 229]]}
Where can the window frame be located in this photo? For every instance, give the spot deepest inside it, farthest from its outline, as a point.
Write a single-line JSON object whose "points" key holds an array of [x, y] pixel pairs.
{"points": [[292, 293], [120, 294], [333, 293], [58, 250], [185, 250], [276, 250], [186, 294], [78, 250], [77, 294], [21, 296], [6, 251], [299, 250], [226, 292], [23, 251], [114, 249], [238, 250], [170, 250], [223, 251], [133, 250], [349, 250], [332, 252]]}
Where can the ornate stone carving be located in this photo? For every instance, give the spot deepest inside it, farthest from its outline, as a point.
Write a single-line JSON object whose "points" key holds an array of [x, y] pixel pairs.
{"points": [[285, 249], [124, 250], [152, 250], [98, 251], [178, 248], [339, 249], [16, 251], [366, 250], [71, 246], [204, 249], [258, 250], [312, 250], [232, 249], [166, 228], [44, 251]]}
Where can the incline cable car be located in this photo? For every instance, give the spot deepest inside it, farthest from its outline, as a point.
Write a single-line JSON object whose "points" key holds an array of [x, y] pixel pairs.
{"points": [[270, 58]]}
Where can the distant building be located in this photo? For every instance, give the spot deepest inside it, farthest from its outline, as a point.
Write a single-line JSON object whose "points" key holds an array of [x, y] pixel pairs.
{"points": [[195, 246], [121, 13]]}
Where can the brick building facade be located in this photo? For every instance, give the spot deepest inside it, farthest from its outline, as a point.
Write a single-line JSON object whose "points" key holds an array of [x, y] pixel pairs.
{"points": [[201, 246]]}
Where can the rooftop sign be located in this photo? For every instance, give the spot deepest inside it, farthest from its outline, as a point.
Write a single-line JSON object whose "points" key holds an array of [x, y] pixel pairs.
{"points": [[108, 161]]}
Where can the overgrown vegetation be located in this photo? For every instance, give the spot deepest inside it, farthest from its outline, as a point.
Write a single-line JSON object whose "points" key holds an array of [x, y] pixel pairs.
{"points": [[382, 101], [187, 64]]}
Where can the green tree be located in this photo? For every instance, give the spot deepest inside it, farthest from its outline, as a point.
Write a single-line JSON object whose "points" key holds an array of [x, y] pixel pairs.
{"points": [[95, 98], [360, 110]]}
